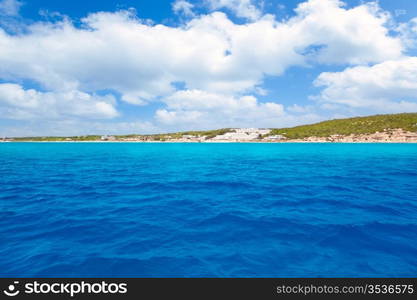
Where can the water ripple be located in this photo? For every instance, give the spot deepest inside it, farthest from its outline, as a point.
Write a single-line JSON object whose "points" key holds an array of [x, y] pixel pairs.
{"points": [[207, 210]]}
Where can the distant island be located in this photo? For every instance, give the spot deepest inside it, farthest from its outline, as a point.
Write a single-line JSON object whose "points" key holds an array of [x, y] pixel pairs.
{"points": [[393, 128]]}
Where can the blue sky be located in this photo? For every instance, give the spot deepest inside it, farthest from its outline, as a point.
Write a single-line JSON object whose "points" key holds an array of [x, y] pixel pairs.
{"points": [[116, 67], [161, 10]]}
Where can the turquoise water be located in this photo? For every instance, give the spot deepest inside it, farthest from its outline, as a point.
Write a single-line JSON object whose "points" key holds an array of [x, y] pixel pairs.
{"points": [[228, 210]]}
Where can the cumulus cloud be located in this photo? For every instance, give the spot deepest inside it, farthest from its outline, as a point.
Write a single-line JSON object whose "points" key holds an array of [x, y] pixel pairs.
{"points": [[18, 103], [390, 86], [355, 36], [10, 7], [141, 61], [202, 110], [183, 7], [242, 8], [408, 32]]}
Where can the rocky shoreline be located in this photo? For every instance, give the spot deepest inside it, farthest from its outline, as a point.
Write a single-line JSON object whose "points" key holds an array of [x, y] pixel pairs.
{"points": [[387, 136]]}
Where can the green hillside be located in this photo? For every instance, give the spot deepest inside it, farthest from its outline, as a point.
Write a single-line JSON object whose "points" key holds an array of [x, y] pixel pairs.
{"points": [[156, 137], [86, 138], [358, 125]]}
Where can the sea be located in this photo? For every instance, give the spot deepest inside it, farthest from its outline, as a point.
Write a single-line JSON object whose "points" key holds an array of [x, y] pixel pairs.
{"points": [[208, 210]]}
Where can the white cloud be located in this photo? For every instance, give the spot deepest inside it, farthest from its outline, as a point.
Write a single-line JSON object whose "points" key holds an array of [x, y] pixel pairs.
{"points": [[10, 7], [242, 8], [408, 32], [140, 61], [202, 110], [18, 103], [355, 36], [183, 7], [390, 86]]}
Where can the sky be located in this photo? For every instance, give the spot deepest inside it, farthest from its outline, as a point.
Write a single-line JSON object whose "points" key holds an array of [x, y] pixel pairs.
{"points": [[135, 66]]}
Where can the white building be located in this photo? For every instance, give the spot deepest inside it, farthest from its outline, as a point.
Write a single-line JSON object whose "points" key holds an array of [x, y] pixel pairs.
{"points": [[242, 134], [108, 138]]}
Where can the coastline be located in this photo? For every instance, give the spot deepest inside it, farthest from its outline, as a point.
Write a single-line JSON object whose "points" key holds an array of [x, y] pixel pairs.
{"points": [[397, 128], [248, 135], [221, 142], [251, 135]]}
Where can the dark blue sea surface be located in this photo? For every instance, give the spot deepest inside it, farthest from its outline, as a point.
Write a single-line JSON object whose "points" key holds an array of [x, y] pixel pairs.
{"points": [[208, 210]]}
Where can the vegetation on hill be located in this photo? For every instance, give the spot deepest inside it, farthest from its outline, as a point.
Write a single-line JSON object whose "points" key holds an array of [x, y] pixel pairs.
{"points": [[156, 137], [358, 125], [84, 138], [176, 135]]}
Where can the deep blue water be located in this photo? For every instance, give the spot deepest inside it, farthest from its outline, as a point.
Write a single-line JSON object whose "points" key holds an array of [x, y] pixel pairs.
{"points": [[208, 210]]}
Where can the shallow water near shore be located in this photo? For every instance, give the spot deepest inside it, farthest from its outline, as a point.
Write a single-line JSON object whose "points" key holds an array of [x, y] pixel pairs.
{"points": [[208, 210]]}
